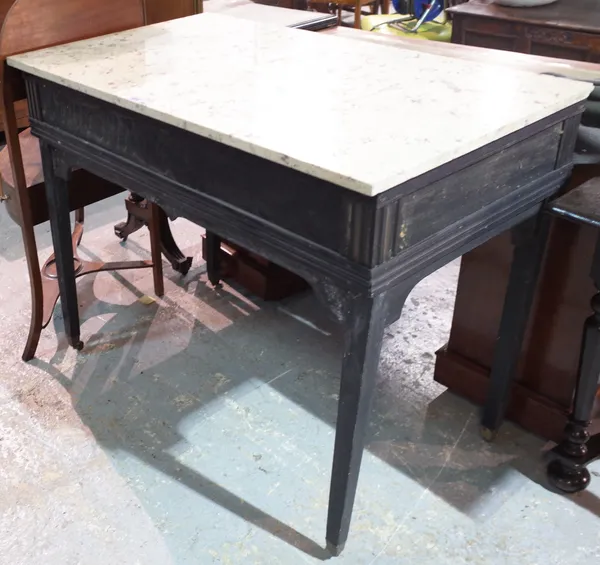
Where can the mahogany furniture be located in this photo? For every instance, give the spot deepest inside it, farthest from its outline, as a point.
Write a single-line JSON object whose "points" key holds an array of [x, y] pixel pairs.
{"points": [[21, 106], [360, 225], [569, 29], [261, 277], [22, 178], [567, 470]]}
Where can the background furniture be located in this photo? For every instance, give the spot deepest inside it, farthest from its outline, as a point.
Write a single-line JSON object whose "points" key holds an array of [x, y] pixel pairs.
{"points": [[568, 469], [22, 178], [436, 30], [21, 105], [355, 5], [569, 29], [542, 396]]}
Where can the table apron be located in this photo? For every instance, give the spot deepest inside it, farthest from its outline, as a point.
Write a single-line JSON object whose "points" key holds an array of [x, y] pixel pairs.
{"points": [[358, 243]]}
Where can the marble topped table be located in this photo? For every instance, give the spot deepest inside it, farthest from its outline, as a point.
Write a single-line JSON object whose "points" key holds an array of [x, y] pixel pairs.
{"points": [[209, 117]]}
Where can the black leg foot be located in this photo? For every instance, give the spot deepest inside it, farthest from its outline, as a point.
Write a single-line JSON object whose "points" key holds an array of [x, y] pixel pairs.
{"points": [[335, 550]]}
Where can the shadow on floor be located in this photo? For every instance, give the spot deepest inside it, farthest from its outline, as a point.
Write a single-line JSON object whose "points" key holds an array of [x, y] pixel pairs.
{"points": [[150, 367]]}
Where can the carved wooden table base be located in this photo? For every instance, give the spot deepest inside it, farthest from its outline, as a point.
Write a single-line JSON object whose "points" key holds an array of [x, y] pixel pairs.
{"points": [[138, 216]]}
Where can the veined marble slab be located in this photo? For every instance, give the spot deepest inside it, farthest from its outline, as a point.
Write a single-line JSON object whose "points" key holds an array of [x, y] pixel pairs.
{"points": [[363, 116]]}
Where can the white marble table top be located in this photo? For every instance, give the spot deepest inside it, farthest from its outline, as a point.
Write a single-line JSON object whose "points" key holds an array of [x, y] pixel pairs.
{"points": [[363, 116]]}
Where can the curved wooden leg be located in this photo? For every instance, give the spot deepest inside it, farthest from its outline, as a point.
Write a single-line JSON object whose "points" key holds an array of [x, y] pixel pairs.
{"points": [[133, 223], [37, 293], [169, 248], [138, 215]]}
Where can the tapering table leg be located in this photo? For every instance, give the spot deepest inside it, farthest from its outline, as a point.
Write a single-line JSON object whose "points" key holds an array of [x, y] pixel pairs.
{"points": [[365, 323], [56, 178], [530, 242]]}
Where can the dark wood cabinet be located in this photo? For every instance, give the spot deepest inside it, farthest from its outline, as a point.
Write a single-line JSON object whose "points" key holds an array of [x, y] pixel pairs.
{"points": [[541, 398], [568, 29]]}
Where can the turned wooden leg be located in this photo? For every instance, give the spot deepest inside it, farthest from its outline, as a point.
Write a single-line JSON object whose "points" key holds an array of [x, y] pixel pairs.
{"points": [[530, 243], [56, 177], [213, 249], [567, 471], [363, 339], [357, 14]]}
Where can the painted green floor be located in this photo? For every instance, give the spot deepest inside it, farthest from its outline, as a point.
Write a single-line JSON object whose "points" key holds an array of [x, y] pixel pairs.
{"points": [[198, 429]]}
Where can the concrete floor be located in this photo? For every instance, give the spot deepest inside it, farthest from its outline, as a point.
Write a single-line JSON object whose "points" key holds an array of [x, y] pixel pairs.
{"points": [[198, 429]]}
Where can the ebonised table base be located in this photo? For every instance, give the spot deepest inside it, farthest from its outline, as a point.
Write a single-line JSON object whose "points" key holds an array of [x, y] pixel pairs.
{"points": [[361, 254]]}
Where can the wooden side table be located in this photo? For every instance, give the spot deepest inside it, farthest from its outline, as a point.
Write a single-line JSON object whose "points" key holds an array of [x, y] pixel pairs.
{"points": [[569, 29]]}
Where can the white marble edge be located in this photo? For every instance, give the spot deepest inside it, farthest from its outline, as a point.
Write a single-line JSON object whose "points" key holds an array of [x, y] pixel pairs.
{"points": [[354, 156]]}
